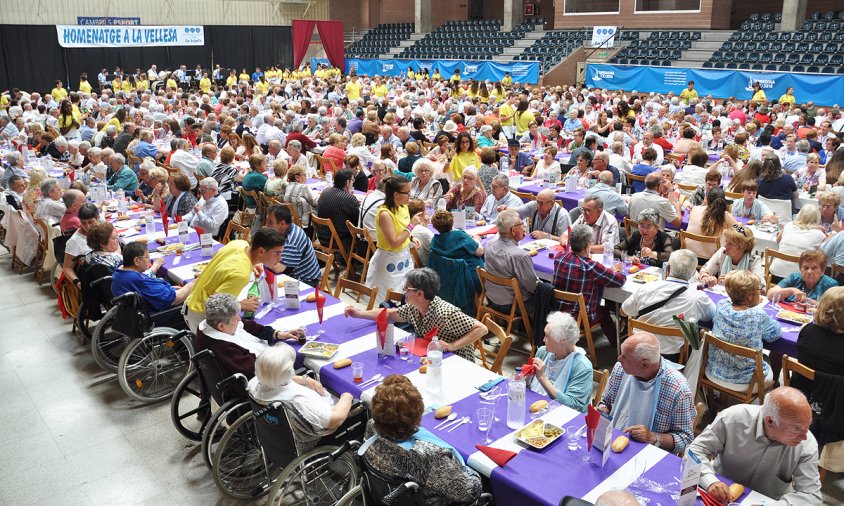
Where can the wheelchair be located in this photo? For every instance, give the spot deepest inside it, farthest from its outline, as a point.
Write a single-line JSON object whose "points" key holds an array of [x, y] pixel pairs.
{"points": [[191, 404], [96, 299], [260, 451], [377, 489], [150, 360]]}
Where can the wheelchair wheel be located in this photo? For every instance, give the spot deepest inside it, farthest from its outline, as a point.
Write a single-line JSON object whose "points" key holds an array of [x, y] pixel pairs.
{"points": [[151, 368], [240, 469], [188, 410], [107, 345], [351, 496], [220, 421], [315, 479]]}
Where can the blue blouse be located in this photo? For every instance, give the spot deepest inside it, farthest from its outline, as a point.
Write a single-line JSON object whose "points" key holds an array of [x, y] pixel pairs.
{"points": [[748, 328], [794, 280]]}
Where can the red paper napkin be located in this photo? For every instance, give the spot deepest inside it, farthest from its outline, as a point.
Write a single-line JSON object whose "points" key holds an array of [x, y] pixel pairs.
{"points": [[431, 333], [593, 416], [419, 347], [790, 306], [497, 455], [271, 282], [177, 219], [164, 218], [199, 230], [707, 499], [528, 369], [491, 231], [320, 302], [381, 327], [71, 175]]}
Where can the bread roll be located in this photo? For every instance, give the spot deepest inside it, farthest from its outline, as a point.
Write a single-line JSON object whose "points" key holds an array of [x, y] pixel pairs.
{"points": [[311, 297], [442, 412], [343, 362], [538, 406], [423, 369], [480, 223], [620, 444], [736, 490], [633, 269]]}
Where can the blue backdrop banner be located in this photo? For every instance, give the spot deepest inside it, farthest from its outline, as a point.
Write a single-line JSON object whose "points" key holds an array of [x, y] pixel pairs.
{"points": [[522, 71], [821, 89]]}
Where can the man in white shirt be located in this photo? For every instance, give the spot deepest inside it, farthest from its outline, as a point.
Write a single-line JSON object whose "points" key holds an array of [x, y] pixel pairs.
{"points": [[211, 210], [768, 448], [261, 135], [669, 297], [183, 160], [648, 142], [498, 197], [275, 132], [604, 225], [652, 197]]}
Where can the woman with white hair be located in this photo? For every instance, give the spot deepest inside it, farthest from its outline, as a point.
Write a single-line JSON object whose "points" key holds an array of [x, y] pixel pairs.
{"points": [[14, 166], [211, 210], [360, 150], [485, 139], [50, 208], [802, 234], [235, 343], [562, 373], [303, 397], [424, 186]]}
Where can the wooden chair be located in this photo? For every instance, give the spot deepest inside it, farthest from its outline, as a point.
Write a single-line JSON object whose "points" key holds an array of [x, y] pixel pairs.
{"points": [[790, 366], [677, 159], [517, 307], [690, 188], [710, 239], [396, 297], [504, 339], [246, 216], [359, 235], [756, 387], [327, 259], [582, 318], [770, 255], [293, 212], [700, 409], [733, 195], [326, 164], [334, 246], [267, 202], [239, 231], [42, 249], [836, 269], [633, 177], [599, 384], [359, 289], [525, 196], [629, 225], [414, 253], [673, 331]]}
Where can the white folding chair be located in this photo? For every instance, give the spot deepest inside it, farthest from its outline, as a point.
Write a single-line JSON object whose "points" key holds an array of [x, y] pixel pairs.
{"points": [[780, 208]]}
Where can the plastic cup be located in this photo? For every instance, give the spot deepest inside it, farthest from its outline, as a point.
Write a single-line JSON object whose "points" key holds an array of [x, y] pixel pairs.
{"points": [[178, 249], [484, 417], [574, 441], [357, 371], [404, 351]]}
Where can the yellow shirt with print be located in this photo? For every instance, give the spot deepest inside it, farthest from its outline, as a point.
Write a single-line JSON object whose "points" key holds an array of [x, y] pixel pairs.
{"points": [[787, 99], [687, 95], [507, 81], [353, 90], [263, 88], [229, 272]]}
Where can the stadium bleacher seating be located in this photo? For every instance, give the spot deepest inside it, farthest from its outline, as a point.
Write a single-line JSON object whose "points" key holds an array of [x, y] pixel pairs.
{"points": [[468, 40], [380, 40], [659, 49], [556, 45]]}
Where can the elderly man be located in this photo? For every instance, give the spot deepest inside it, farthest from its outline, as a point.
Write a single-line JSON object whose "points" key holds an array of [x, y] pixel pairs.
{"points": [[499, 197], [58, 149], [14, 166], [792, 159], [658, 197], [73, 200], [547, 220], [603, 224], [338, 204], [669, 297], [600, 163], [649, 399], [14, 192], [294, 152], [122, 141], [298, 259], [274, 152], [205, 165], [388, 137], [504, 258], [211, 210], [515, 159], [183, 160], [306, 143], [7, 128], [768, 448], [138, 274], [576, 272], [605, 190], [122, 177]]}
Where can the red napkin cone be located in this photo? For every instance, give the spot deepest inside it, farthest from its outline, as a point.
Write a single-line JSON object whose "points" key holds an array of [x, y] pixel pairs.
{"points": [[431, 333], [381, 327], [707, 498], [199, 230], [177, 219], [270, 282], [593, 416], [497, 455], [71, 175], [164, 218], [320, 302]]}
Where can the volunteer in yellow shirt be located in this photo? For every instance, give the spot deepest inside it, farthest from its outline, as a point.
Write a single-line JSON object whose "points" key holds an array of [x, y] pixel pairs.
{"points": [[523, 118], [759, 96], [688, 93], [455, 76], [59, 93], [127, 85], [465, 156], [353, 89], [507, 81], [789, 97], [142, 84], [231, 270], [379, 90], [411, 74], [171, 83], [84, 85], [244, 76], [205, 83], [262, 86], [506, 114], [231, 80]]}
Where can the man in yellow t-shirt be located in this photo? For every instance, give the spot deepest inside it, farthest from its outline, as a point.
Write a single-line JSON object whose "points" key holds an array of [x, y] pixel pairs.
{"points": [[231, 270], [353, 89], [506, 113], [688, 93], [788, 98], [205, 83], [59, 93], [379, 90], [507, 81]]}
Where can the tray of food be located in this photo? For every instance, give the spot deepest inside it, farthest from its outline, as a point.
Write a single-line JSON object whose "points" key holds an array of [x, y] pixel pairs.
{"points": [[317, 349], [793, 317], [538, 245], [198, 268], [645, 277], [538, 434], [170, 248]]}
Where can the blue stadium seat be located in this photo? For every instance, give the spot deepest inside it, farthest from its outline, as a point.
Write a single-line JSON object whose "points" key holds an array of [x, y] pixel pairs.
{"points": [[798, 68], [789, 47], [813, 70], [765, 17], [750, 46], [707, 65], [731, 65], [837, 59], [840, 70], [802, 47], [827, 70], [768, 26], [792, 58], [763, 46], [785, 68], [811, 37], [776, 46], [766, 57], [771, 68], [744, 66], [754, 17], [807, 58], [822, 59], [719, 65], [779, 58]]}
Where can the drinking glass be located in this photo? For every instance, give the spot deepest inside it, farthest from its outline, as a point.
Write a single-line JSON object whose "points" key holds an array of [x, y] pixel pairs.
{"points": [[357, 371], [574, 440], [484, 419]]}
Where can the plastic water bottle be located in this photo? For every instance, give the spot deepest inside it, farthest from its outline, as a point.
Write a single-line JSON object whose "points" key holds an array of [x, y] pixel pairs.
{"points": [[554, 175], [608, 253], [435, 367], [441, 204], [329, 178], [515, 401], [505, 164]]}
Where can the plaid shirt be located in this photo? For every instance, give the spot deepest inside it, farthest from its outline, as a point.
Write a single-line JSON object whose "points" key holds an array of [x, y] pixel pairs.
{"points": [[576, 274], [675, 408]]}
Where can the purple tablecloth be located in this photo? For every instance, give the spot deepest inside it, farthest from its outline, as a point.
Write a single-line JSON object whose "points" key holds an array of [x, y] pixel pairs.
{"points": [[341, 380], [787, 344]]}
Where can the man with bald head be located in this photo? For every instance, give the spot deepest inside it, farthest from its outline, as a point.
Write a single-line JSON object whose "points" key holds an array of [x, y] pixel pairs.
{"points": [[547, 219], [649, 399], [658, 196], [768, 448], [605, 190], [617, 498], [73, 200]]}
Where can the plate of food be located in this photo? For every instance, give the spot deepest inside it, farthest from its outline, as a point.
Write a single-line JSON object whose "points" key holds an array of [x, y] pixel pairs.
{"points": [[198, 268], [170, 248], [645, 277], [318, 349], [538, 434], [793, 317]]}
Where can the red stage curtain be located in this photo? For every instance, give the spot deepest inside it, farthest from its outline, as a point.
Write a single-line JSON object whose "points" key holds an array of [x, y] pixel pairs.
{"points": [[303, 29], [331, 33]]}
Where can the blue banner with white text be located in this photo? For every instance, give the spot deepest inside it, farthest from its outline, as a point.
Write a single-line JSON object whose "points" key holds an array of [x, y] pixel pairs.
{"points": [[822, 89], [520, 72]]}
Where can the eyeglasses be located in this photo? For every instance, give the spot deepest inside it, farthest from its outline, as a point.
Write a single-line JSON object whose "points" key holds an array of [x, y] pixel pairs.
{"points": [[403, 193], [543, 202], [410, 289]]}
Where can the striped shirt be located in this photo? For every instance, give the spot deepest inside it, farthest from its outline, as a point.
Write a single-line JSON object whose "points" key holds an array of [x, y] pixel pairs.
{"points": [[299, 256]]}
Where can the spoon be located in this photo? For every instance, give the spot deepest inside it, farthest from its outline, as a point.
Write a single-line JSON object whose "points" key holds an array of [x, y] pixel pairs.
{"points": [[450, 418], [373, 379]]}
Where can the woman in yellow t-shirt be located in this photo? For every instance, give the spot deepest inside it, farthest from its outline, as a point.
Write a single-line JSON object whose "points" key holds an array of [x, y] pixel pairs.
{"points": [[84, 85], [142, 84], [231, 81], [205, 83], [759, 96], [789, 97], [262, 86], [523, 117], [464, 156], [171, 82], [59, 93], [392, 260], [244, 76]]}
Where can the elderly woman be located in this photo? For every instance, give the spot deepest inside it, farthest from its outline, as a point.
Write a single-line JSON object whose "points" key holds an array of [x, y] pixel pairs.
{"points": [[562, 373], [811, 177], [294, 151], [105, 246], [399, 447], [456, 244], [359, 148], [802, 234], [158, 181], [547, 164], [582, 167], [424, 310], [180, 200], [736, 254], [464, 156], [95, 168], [315, 412], [810, 283], [405, 165], [489, 168], [466, 194], [485, 139], [277, 183], [50, 208], [424, 187], [14, 166], [379, 172], [647, 244], [32, 194], [236, 343], [336, 152], [739, 320], [211, 210], [145, 183], [122, 178], [299, 194], [831, 214], [226, 174], [255, 180]]}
